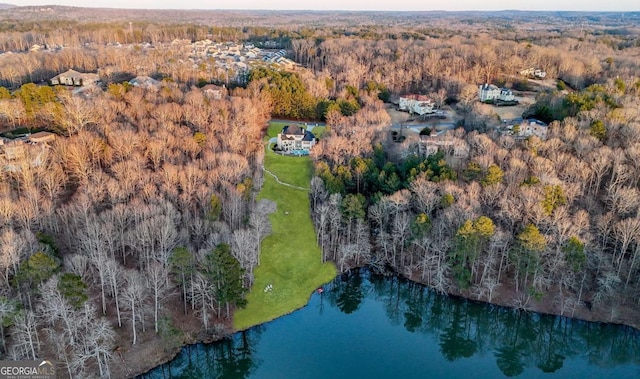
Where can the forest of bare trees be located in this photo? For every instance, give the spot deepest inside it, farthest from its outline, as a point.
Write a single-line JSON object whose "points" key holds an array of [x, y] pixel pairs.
{"points": [[416, 65], [548, 224], [141, 207], [139, 222]]}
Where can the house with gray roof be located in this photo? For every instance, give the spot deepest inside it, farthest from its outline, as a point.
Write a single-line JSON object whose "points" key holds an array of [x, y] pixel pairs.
{"points": [[294, 138], [145, 82]]}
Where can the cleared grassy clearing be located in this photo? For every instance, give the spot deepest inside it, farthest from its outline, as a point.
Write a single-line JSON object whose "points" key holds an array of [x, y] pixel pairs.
{"points": [[290, 259]]}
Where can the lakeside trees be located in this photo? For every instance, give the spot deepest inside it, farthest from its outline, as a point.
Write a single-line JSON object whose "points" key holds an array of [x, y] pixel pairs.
{"points": [[152, 186], [566, 203], [550, 219]]}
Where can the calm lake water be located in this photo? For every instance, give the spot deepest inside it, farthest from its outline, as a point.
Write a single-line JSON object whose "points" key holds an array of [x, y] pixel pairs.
{"points": [[369, 326]]}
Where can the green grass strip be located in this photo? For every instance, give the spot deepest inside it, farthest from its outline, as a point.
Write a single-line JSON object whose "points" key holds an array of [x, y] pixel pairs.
{"points": [[290, 260]]}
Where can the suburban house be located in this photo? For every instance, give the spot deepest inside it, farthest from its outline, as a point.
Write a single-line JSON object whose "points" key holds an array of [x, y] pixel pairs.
{"points": [[417, 104], [295, 138], [214, 92], [144, 82], [490, 92], [528, 128], [75, 78]]}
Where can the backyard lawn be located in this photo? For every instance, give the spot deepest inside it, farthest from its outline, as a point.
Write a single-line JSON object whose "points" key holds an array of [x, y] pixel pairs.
{"points": [[290, 260]]}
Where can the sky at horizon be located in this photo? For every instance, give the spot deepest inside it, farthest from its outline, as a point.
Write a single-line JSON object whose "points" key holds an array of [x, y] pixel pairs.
{"points": [[386, 5]]}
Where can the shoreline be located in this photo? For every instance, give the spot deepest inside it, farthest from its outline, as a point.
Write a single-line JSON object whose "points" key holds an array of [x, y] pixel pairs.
{"points": [[582, 313], [169, 356], [165, 356], [506, 297]]}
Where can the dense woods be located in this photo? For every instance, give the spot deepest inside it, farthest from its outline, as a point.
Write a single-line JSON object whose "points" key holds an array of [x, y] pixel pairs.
{"points": [[151, 194], [553, 220], [139, 222]]}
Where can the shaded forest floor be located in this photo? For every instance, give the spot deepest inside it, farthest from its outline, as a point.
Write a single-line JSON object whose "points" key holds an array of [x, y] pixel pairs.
{"points": [[290, 260], [153, 349]]}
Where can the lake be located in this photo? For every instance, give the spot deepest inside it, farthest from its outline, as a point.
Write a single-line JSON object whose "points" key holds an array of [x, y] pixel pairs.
{"points": [[372, 326]]}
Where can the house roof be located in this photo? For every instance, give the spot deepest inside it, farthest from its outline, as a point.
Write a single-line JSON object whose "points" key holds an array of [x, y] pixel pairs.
{"points": [[41, 135], [536, 122], [308, 136], [70, 72], [295, 130], [488, 86], [75, 74], [143, 81]]}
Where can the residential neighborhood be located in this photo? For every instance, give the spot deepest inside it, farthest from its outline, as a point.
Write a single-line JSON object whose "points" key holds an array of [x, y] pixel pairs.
{"points": [[236, 58], [230, 62]]}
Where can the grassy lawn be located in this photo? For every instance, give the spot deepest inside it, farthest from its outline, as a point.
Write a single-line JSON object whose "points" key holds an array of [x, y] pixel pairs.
{"points": [[318, 131], [275, 128], [290, 260]]}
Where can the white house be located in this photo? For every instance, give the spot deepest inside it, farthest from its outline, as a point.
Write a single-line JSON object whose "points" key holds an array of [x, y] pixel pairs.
{"points": [[294, 137], [489, 92], [528, 128], [539, 74], [418, 104]]}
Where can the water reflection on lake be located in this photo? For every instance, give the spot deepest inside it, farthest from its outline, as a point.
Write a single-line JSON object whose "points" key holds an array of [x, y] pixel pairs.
{"points": [[372, 326]]}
